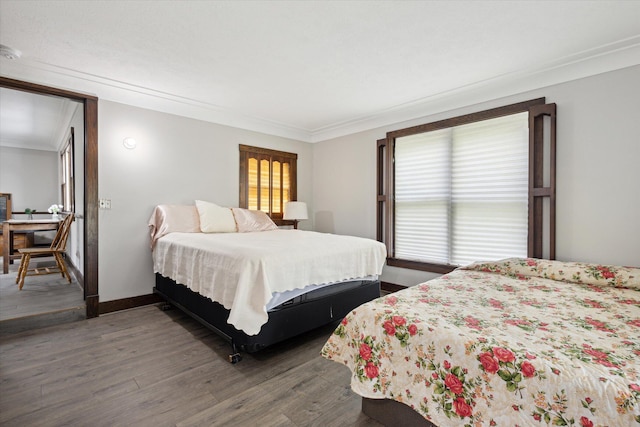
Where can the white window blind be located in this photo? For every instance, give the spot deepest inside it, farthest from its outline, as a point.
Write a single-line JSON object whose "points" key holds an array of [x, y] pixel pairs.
{"points": [[461, 193]]}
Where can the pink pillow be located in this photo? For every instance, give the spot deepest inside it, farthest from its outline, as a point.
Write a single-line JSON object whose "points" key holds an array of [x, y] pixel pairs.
{"points": [[167, 219], [248, 220]]}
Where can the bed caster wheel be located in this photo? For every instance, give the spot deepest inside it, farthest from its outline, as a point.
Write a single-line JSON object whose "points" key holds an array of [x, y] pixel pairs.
{"points": [[165, 306], [235, 358]]}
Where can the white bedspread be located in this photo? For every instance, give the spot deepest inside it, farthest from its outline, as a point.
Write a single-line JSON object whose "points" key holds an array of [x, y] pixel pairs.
{"points": [[241, 271]]}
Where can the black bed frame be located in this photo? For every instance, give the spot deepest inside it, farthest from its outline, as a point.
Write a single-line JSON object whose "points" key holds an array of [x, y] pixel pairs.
{"points": [[287, 320]]}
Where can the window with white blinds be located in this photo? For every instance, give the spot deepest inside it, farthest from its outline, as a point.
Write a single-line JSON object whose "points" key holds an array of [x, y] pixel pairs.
{"points": [[461, 193]]}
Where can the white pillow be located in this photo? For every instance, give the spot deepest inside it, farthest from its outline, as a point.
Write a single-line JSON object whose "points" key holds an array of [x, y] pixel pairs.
{"points": [[214, 218]]}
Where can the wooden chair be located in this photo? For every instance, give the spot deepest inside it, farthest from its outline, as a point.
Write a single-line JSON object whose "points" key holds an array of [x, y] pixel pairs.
{"points": [[57, 248]]}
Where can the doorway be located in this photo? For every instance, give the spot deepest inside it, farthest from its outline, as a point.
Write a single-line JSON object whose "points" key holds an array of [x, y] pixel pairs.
{"points": [[90, 199]]}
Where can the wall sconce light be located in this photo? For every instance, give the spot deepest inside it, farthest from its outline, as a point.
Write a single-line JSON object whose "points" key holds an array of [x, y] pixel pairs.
{"points": [[9, 52], [295, 211], [129, 143]]}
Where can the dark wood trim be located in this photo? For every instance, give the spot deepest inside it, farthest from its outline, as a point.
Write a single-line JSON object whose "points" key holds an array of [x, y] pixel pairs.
{"points": [[127, 303], [44, 90], [91, 207], [243, 191], [537, 190], [422, 266], [267, 151], [536, 177], [385, 174], [552, 182], [390, 205], [381, 198], [391, 287], [248, 152], [493, 113], [91, 182], [70, 181]]}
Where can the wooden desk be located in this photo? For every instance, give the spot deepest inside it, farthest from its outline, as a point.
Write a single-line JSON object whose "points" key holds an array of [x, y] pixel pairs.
{"points": [[9, 226]]}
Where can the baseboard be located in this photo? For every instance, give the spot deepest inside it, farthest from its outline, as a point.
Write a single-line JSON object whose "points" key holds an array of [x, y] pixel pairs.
{"points": [[127, 303], [74, 271], [391, 287]]}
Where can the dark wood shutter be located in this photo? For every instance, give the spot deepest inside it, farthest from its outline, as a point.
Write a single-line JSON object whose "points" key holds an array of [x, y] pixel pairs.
{"points": [[542, 195]]}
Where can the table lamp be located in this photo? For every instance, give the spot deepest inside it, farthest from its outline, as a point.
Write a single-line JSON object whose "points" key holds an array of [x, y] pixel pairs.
{"points": [[295, 211]]}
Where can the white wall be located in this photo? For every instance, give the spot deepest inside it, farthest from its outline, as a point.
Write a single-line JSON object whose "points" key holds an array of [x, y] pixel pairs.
{"points": [[598, 176], [177, 160], [31, 176], [344, 192]]}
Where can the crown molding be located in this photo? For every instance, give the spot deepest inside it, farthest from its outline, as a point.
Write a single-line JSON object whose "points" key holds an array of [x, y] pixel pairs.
{"points": [[615, 56], [139, 96], [618, 55], [21, 145]]}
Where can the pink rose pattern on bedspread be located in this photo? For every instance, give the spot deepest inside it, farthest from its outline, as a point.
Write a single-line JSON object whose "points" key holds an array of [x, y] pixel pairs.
{"points": [[514, 342]]}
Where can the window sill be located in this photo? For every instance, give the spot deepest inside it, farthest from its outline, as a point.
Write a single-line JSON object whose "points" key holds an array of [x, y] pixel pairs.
{"points": [[422, 266]]}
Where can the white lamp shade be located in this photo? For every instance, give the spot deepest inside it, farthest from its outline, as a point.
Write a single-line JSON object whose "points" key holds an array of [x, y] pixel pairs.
{"points": [[295, 210]]}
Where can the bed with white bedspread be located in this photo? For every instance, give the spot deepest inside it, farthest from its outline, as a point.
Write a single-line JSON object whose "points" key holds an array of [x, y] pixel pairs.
{"points": [[252, 278]]}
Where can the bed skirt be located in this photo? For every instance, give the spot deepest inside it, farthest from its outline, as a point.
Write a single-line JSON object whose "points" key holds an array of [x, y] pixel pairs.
{"points": [[391, 413]]}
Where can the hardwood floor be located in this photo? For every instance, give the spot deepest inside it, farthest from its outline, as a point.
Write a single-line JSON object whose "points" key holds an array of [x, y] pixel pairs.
{"points": [[147, 367], [44, 300]]}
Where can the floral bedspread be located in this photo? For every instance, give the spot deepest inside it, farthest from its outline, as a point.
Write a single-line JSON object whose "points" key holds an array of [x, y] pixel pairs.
{"points": [[518, 342]]}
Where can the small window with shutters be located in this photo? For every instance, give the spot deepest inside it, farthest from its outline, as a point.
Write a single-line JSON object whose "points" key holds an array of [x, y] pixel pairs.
{"points": [[267, 180]]}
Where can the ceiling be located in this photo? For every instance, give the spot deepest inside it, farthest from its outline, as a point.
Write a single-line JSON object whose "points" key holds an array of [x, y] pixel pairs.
{"points": [[313, 70], [33, 121]]}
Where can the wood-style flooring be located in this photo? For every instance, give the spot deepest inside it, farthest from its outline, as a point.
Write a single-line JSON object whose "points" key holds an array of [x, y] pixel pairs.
{"points": [[44, 300], [148, 367]]}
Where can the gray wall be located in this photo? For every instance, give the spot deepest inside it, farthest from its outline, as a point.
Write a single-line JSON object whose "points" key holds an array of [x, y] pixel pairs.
{"points": [[177, 160], [31, 176], [598, 177]]}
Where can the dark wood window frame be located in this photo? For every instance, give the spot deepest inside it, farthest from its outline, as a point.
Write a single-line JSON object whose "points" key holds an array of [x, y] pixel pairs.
{"points": [[67, 188], [541, 219], [248, 152]]}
